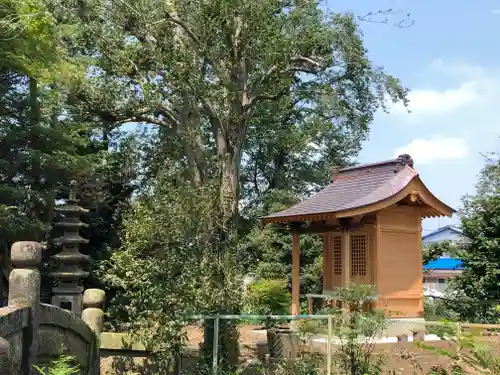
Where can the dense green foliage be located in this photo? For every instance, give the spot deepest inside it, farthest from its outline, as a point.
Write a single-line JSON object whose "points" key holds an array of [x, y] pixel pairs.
{"points": [[64, 365], [481, 223], [465, 351], [46, 140], [435, 250], [170, 267], [477, 290], [480, 282], [268, 297]]}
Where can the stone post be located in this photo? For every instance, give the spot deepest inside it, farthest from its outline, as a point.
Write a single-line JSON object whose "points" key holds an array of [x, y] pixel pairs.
{"points": [[93, 315], [5, 357], [24, 290]]}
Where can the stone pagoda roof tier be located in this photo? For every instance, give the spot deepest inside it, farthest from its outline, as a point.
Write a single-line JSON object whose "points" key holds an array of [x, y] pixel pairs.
{"points": [[69, 275], [363, 189], [71, 257], [71, 208], [70, 239], [71, 224]]}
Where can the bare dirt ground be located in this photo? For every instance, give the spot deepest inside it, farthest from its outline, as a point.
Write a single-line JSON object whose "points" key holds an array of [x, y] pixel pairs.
{"points": [[399, 355]]}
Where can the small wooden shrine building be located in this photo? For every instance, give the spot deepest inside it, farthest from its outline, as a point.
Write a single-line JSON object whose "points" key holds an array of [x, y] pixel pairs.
{"points": [[370, 216]]}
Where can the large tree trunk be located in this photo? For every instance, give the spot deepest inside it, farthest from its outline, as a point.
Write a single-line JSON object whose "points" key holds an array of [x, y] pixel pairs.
{"points": [[36, 210], [229, 187], [229, 158], [229, 149]]}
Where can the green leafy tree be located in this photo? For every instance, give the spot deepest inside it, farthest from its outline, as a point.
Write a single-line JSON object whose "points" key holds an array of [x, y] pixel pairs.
{"points": [[46, 140], [169, 268], [42, 146], [480, 281], [435, 250], [206, 73]]}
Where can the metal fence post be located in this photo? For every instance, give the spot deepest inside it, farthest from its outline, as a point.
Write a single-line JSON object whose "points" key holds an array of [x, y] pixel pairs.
{"points": [[215, 349], [329, 346]]}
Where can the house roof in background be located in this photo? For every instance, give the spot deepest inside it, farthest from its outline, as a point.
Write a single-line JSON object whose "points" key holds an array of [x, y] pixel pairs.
{"points": [[444, 264], [451, 228], [359, 186]]}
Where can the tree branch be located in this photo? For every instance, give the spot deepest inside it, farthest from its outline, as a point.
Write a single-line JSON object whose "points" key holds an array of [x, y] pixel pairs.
{"points": [[306, 65], [260, 98], [268, 74], [194, 38], [298, 64], [170, 114], [210, 111], [146, 119], [402, 23], [184, 27]]}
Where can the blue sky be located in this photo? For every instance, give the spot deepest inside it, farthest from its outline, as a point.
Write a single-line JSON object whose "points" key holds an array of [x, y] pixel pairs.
{"points": [[450, 60]]}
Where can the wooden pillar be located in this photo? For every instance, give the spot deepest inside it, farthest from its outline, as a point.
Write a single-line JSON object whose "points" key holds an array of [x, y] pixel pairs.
{"points": [[327, 263], [421, 269], [346, 263], [295, 272], [346, 258], [377, 267]]}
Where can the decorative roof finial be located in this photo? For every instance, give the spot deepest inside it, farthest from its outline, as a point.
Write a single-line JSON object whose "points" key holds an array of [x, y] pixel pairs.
{"points": [[335, 172], [405, 159], [72, 192]]}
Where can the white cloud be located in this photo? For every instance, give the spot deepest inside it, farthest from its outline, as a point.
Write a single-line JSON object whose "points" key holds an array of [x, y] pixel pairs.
{"points": [[425, 151], [455, 117], [470, 86], [433, 102], [495, 12], [461, 71]]}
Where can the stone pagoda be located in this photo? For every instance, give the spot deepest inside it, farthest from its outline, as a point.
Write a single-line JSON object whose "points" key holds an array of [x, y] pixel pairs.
{"points": [[68, 272]]}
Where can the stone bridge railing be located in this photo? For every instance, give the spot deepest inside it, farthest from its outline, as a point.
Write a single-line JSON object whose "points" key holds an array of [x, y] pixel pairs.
{"points": [[34, 333]]}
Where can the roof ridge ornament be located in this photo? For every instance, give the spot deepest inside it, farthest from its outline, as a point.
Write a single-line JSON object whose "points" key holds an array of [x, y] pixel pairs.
{"points": [[405, 159], [335, 171]]}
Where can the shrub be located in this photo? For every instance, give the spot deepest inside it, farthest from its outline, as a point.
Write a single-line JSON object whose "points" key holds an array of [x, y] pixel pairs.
{"points": [[466, 352], [64, 365], [438, 309], [268, 297], [354, 356]]}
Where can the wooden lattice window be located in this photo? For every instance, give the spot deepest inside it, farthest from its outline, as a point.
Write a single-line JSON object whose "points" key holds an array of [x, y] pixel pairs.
{"points": [[358, 254], [337, 255]]}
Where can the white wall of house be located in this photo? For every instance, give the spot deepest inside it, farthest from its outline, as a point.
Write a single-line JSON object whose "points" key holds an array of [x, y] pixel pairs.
{"points": [[438, 284], [449, 234], [446, 235]]}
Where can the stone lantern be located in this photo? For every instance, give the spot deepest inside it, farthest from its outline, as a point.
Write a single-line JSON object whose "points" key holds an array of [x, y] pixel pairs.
{"points": [[68, 273]]}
